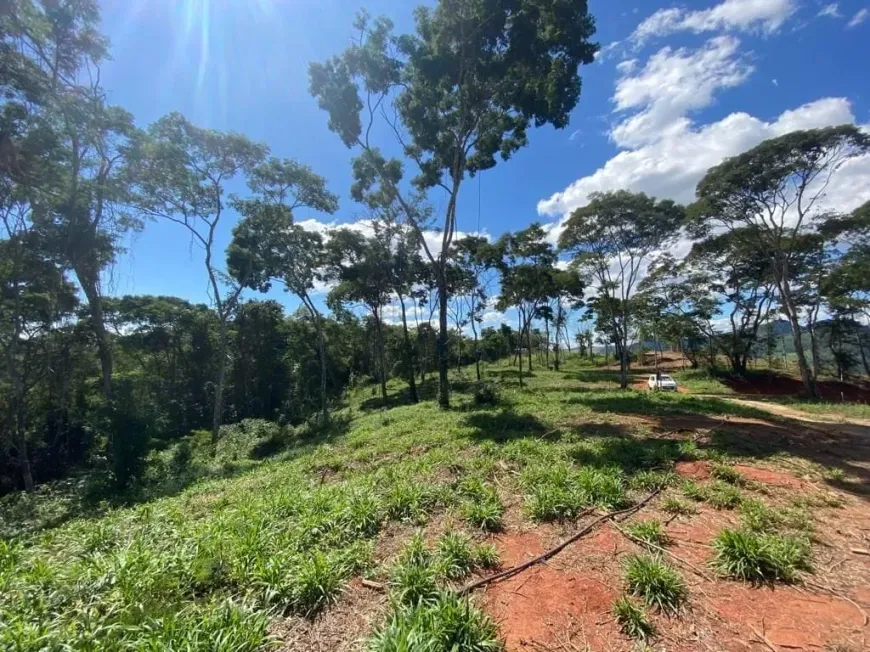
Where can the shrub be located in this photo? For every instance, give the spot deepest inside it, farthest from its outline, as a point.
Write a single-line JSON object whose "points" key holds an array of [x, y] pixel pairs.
{"points": [[632, 619], [755, 557], [659, 585], [486, 394]]}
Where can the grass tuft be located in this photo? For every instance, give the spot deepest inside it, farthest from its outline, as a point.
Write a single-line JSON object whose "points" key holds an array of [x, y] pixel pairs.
{"points": [[673, 505], [659, 585], [446, 623], [456, 555], [755, 557], [632, 619], [650, 532]]}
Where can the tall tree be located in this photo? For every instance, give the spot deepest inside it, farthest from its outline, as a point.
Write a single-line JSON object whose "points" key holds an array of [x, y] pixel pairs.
{"points": [[527, 268], [464, 88], [776, 191], [612, 240], [182, 173], [361, 266], [268, 245]]}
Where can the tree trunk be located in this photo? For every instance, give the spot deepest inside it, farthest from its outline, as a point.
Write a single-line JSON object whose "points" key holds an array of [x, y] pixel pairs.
{"points": [[409, 356], [443, 359], [863, 351], [104, 350], [20, 414], [809, 382], [814, 349], [529, 342], [381, 361], [547, 327], [321, 352], [217, 415]]}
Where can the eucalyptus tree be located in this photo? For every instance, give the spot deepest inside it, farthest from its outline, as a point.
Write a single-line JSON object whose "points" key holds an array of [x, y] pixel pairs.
{"points": [[612, 240], [360, 267], [477, 261], [569, 289], [182, 172], [722, 279], [776, 190], [63, 149], [268, 245], [527, 267], [462, 89]]}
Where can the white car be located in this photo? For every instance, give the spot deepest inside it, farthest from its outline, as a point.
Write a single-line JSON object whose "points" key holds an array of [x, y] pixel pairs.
{"points": [[663, 382]]}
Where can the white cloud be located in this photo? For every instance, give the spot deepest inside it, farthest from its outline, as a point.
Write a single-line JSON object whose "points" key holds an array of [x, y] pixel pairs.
{"points": [[730, 15], [672, 166], [626, 67], [775, 82], [859, 18], [575, 134], [673, 83], [832, 10]]}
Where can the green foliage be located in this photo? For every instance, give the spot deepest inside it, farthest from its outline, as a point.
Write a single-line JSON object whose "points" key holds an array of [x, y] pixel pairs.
{"points": [[487, 557], [559, 491], [649, 532], [673, 505], [651, 480], [456, 555], [724, 496], [755, 557], [486, 394], [414, 578], [659, 585], [727, 474], [632, 619], [445, 623]]}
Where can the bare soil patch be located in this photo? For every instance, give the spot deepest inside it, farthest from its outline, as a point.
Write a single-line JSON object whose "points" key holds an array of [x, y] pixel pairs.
{"points": [[770, 384]]}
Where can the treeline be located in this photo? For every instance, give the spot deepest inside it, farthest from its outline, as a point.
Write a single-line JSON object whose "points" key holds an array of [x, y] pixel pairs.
{"points": [[89, 380]]}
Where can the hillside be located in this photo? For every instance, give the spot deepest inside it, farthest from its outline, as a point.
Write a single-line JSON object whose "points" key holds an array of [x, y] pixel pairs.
{"points": [[356, 537]]}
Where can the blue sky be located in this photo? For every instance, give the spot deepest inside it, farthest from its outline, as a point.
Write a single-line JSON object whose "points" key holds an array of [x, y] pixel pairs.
{"points": [[676, 89]]}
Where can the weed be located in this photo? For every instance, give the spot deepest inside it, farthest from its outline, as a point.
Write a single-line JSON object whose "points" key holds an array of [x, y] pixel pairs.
{"points": [[650, 532], [632, 619], [487, 557], [412, 583], [455, 555], [728, 474], [673, 505], [447, 623], [652, 480], [317, 583], [755, 557], [722, 495], [695, 491], [659, 585], [758, 517]]}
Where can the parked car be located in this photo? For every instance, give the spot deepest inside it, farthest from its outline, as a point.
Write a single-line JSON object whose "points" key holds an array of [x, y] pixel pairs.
{"points": [[663, 382]]}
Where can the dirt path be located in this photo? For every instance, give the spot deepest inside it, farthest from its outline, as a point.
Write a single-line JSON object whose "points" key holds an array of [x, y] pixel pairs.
{"points": [[791, 413]]}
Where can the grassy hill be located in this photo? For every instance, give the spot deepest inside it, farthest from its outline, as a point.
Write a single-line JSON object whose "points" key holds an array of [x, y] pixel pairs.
{"points": [[268, 541]]}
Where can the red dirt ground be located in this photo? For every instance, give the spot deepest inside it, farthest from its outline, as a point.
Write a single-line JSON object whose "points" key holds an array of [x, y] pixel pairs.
{"points": [[566, 603], [759, 384], [699, 470]]}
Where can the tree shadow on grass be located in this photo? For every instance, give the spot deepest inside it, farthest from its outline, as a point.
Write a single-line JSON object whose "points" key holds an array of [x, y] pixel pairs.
{"points": [[504, 425], [509, 374], [92, 496], [426, 391], [656, 404]]}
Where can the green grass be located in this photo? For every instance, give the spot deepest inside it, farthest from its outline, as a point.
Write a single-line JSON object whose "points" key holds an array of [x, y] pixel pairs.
{"points": [[754, 557], [279, 521], [831, 408], [656, 583], [650, 532], [701, 381], [677, 507], [632, 619]]}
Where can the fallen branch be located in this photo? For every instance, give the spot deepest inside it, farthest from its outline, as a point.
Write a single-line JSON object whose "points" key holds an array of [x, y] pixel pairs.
{"points": [[510, 572], [375, 586], [763, 639]]}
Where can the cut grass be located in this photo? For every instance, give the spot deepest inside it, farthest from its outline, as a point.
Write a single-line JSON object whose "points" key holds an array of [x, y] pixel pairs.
{"points": [[632, 619], [754, 557], [659, 585]]}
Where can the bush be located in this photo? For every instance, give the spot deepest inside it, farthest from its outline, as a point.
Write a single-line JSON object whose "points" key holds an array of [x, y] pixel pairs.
{"points": [[659, 585], [755, 557], [486, 394]]}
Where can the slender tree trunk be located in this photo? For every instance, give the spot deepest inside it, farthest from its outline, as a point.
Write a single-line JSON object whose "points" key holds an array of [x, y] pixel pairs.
{"points": [[104, 349], [218, 413], [529, 342], [810, 389], [863, 351], [20, 414], [814, 349], [547, 328], [409, 356], [443, 358], [321, 353], [381, 359]]}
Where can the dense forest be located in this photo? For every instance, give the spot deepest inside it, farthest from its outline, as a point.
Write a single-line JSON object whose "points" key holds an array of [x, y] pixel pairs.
{"points": [[91, 382]]}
